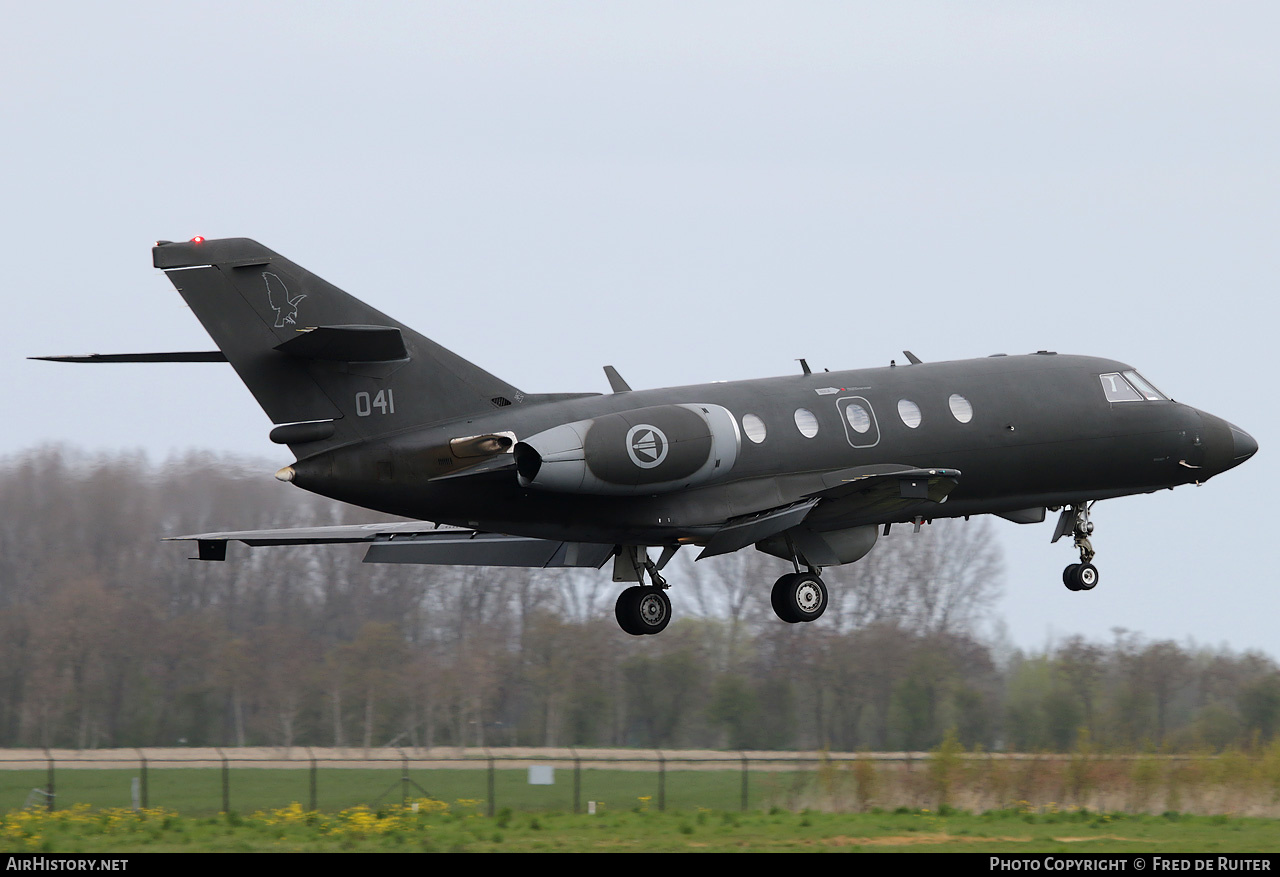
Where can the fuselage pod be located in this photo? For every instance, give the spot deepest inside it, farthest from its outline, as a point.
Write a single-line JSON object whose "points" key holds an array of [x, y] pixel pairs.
{"points": [[643, 451]]}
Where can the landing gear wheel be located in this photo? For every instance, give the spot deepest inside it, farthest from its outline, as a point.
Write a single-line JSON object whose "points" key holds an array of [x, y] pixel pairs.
{"points": [[1086, 577], [798, 597], [778, 597], [642, 610], [1068, 576], [1080, 576]]}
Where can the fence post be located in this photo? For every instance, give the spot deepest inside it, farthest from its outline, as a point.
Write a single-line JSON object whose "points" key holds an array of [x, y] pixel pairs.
{"points": [[404, 779], [662, 782], [226, 782], [49, 804], [311, 755], [142, 758], [491, 786], [744, 781], [577, 781]]}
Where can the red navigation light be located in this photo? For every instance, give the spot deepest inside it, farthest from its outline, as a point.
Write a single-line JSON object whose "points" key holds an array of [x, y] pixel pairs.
{"points": [[197, 240]]}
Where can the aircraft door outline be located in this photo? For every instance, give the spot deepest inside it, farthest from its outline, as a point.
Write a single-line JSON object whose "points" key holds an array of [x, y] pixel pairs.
{"points": [[858, 417]]}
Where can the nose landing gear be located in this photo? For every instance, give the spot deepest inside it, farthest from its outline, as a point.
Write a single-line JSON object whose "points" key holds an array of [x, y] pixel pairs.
{"points": [[1082, 576]]}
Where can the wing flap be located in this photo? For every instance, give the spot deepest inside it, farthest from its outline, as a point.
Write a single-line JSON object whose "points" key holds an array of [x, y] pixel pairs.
{"points": [[880, 493], [470, 548], [749, 529]]}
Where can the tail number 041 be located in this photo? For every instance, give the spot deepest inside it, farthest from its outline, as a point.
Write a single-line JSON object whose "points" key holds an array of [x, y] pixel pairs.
{"points": [[384, 402]]}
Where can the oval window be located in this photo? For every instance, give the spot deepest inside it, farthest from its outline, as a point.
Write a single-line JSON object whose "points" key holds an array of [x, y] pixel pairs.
{"points": [[754, 428], [960, 408], [806, 422], [909, 412], [858, 418]]}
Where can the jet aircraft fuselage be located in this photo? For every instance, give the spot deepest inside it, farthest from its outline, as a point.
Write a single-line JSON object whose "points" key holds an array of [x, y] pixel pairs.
{"points": [[1039, 432]]}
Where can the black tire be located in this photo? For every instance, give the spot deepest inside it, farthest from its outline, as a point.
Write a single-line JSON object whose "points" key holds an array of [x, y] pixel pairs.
{"points": [[799, 597], [1069, 577], [626, 612], [778, 597], [1086, 576], [642, 610]]}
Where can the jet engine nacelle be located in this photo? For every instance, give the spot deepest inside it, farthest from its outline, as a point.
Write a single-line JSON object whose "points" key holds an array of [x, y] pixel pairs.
{"points": [[642, 451]]}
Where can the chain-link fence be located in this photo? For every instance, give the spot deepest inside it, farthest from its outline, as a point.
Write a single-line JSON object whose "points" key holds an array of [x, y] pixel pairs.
{"points": [[487, 781]]}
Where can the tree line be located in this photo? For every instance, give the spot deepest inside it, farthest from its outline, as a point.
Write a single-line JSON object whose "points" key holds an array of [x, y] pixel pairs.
{"points": [[112, 638]]}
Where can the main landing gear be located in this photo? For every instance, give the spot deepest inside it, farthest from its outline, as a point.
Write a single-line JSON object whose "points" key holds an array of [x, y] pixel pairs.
{"points": [[1082, 576], [642, 609], [799, 596]]}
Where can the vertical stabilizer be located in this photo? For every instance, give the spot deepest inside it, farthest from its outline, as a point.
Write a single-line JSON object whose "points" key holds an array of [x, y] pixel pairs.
{"points": [[325, 367]]}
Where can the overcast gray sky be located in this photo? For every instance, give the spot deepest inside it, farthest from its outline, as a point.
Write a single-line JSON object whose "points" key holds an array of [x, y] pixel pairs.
{"points": [[691, 192]]}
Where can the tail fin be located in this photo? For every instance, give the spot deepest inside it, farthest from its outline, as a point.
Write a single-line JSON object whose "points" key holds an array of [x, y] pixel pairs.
{"points": [[324, 366]]}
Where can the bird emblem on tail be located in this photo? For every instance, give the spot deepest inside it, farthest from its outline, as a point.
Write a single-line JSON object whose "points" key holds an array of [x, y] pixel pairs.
{"points": [[278, 294]]}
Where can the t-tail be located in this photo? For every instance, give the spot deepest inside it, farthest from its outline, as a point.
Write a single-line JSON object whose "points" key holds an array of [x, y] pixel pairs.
{"points": [[326, 368]]}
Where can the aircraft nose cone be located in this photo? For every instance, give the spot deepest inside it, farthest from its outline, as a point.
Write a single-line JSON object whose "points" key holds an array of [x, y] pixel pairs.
{"points": [[1245, 444]]}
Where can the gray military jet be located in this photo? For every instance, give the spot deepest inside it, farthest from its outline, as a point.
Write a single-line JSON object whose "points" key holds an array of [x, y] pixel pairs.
{"points": [[810, 467]]}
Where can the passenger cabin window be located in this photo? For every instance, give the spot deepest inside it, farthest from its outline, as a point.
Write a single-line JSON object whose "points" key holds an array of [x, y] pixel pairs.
{"points": [[1117, 389], [858, 418], [806, 422], [961, 410], [754, 428], [909, 412]]}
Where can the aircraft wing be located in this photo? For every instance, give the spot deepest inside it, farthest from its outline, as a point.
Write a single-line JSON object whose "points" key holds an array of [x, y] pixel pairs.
{"points": [[417, 542], [864, 494], [886, 488]]}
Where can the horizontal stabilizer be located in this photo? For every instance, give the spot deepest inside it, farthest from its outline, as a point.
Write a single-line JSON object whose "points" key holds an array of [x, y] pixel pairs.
{"points": [[184, 356], [347, 344], [417, 542]]}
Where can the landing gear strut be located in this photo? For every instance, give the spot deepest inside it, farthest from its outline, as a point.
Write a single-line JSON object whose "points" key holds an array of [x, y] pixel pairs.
{"points": [[1082, 576], [642, 609], [799, 596]]}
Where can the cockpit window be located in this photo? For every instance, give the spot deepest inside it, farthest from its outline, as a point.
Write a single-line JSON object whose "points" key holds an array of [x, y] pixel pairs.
{"points": [[1118, 389], [1140, 384]]}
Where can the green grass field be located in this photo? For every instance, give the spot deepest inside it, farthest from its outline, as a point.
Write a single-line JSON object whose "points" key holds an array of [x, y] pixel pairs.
{"points": [[437, 827], [692, 810]]}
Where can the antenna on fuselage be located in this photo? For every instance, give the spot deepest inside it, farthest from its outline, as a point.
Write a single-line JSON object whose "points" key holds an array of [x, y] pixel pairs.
{"points": [[616, 383]]}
